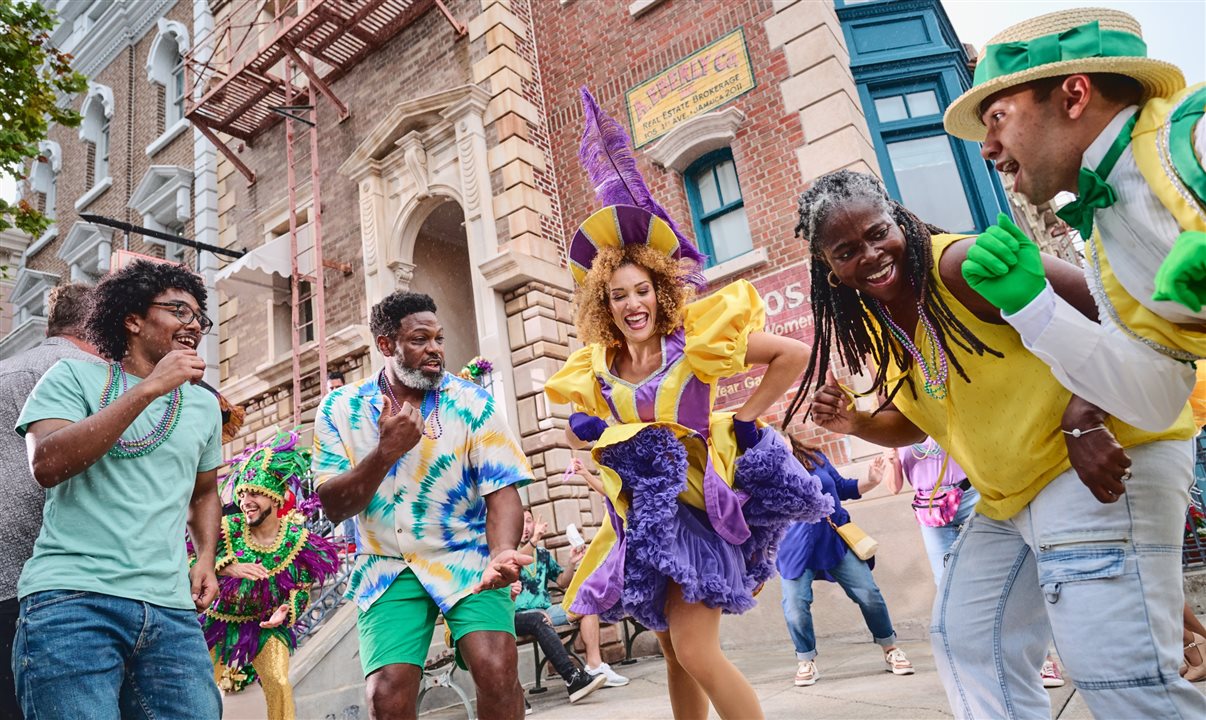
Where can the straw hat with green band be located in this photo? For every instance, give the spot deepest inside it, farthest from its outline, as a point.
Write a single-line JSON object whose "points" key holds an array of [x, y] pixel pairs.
{"points": [[1084, 40]]}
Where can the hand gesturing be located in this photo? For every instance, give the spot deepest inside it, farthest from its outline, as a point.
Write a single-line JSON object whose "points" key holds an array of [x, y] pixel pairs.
{"points": [[398, 432], [502, 571]]}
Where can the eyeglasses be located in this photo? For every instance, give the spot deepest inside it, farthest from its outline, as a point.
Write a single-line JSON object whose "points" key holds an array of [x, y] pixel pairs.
{"points": [[186, 315]]}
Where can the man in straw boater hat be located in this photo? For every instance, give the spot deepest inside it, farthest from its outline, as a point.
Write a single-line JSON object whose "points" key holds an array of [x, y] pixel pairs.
{"points": [[1068, 101]]}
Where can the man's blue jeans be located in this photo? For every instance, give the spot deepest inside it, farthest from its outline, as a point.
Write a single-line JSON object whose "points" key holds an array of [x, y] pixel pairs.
{"points": [[854, 576], [87, 655], [1106, 578]]}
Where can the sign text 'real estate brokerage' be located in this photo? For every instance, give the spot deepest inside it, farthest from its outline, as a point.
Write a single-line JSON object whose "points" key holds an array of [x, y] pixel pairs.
{"points": [[706, 79]]}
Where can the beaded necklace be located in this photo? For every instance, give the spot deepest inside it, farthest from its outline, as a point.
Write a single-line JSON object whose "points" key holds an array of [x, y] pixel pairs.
{"points": [[934, 373], [925, 451], [434, 395], [158, 435]]}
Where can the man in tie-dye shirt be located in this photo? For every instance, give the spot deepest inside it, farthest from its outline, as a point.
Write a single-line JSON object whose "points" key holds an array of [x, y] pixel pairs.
{"points": [[428, 466]]}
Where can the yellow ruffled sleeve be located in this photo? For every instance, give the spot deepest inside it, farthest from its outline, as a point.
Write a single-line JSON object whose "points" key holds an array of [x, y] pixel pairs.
{"points": [[575, 384], [718, 330]]}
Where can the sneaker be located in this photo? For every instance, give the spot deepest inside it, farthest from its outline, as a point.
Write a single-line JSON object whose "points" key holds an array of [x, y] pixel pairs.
{"points": [[583, 684], [806, 673], [1052, 677], [527, 707], [614, 679], [898, 664]]}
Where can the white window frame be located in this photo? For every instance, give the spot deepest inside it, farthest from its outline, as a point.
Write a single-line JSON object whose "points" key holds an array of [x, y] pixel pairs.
{"points": [[165, 66], [97, 111]]}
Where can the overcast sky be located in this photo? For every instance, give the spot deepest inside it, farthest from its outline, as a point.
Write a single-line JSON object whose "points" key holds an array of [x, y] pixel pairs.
{"points": [[1172, 29]]}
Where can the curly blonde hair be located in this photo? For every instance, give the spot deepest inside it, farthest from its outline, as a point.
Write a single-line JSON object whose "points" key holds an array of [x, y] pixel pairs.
{"points": [[593, 318]]}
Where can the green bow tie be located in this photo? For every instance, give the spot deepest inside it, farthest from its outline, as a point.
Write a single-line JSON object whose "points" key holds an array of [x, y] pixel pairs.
{"points": [[1092, 191]]}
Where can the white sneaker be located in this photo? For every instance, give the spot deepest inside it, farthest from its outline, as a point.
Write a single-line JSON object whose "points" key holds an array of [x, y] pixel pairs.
{"points": [[614, 679], [897, 663], [806, 673]]}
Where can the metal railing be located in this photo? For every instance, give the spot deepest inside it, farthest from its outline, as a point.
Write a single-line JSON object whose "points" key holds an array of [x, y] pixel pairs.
{"points": [[326, 600]]}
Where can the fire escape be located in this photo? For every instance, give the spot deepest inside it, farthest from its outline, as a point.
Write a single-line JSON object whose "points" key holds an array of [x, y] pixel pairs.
{"points": [[267, 61]]}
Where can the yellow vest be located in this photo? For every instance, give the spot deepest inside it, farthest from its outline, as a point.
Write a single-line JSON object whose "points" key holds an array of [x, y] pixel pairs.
{"points": [[1003, 428], [1149, 143]]}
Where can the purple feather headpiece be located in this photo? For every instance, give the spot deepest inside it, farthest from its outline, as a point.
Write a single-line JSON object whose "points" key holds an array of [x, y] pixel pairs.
{"points": [[606, 155]]}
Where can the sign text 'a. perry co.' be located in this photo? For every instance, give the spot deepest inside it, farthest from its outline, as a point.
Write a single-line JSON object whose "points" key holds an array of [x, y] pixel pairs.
{"points": [[706, 79]]}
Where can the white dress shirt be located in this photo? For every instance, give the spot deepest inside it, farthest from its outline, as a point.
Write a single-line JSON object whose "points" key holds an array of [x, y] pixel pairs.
{"points": [[1100, 362]]}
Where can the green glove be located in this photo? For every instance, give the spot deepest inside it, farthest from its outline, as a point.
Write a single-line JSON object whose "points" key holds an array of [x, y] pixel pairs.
{"points": [[1004, 266], [1182, 276]]}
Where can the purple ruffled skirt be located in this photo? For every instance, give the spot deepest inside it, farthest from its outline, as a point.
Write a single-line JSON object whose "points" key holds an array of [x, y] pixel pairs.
{"points": [[666, 540]]}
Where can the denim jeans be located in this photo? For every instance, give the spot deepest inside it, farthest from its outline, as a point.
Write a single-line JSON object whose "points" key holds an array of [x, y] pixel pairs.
{"points": [[938, 540], [88, 655], [1104, 579], [854, 576]]}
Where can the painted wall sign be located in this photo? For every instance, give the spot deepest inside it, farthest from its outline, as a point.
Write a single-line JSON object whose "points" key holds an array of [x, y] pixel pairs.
{"points": [[788, 313], [706, 79]]}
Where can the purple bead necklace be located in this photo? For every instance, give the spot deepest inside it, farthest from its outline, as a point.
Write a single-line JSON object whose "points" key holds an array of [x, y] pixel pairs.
{"points": [[434, 395], [934, 373]]}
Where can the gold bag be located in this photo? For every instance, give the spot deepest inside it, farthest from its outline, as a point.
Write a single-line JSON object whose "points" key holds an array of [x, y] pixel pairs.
{"points": [[860, 543]]}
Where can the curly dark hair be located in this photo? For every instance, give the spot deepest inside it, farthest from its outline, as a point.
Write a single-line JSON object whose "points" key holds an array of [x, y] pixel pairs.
{"points": [[593, 309], [387, 315], [841, 318], [130, 291]]}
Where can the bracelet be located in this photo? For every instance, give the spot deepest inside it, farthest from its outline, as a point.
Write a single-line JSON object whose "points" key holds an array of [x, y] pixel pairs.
{"points": [[1077, 432]]}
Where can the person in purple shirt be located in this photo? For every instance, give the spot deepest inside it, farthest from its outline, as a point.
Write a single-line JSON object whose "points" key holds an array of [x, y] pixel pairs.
{"points": [[815, 551]]}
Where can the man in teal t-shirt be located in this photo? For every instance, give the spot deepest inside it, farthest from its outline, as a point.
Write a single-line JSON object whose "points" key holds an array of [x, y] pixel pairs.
{"points": [[128, 453]]}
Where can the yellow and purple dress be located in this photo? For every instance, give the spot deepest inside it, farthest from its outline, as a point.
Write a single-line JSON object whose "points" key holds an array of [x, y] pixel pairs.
{"points": [[684, 504]]}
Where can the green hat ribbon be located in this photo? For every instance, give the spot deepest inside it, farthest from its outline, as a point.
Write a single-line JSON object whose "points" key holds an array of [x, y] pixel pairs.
{"points": [[1083, 41]]}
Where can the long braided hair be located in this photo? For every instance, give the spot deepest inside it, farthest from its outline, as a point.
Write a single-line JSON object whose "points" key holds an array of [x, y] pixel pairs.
{"points": [[839, 313]]}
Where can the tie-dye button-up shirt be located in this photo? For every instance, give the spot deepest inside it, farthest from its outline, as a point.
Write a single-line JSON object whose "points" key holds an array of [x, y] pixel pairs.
{"points": [[429, 513]]}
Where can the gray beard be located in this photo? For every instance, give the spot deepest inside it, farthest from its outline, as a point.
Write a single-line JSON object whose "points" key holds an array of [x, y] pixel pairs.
{"points": [[416, 379]]}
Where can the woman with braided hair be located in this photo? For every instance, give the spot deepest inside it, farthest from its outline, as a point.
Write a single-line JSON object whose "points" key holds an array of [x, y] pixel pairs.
{"points": [[1044, 552]]}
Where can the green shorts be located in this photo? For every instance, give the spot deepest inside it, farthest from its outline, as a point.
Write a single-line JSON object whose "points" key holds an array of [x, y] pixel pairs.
{"points": [[397, 628]]}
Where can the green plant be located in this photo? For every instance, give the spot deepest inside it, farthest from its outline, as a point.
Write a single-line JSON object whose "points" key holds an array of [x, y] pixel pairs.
{"points": [[33, 73]]}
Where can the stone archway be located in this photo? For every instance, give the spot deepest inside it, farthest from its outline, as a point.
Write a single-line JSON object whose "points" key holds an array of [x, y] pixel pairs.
{"points": [[440, 265]]}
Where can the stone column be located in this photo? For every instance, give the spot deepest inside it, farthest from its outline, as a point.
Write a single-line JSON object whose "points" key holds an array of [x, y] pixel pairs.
{"points": [[821, 89]]}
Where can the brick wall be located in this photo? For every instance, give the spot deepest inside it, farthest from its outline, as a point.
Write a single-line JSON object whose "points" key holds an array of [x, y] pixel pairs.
{"points": [[424, 58], [132, 128], [599, 45]]}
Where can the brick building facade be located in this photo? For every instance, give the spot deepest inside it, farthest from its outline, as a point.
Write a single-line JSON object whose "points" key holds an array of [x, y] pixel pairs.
{"points": [[454, 173], [132, 159]]}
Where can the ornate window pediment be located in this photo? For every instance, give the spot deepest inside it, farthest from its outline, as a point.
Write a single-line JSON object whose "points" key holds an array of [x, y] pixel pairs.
{"points": [[87, 250]]}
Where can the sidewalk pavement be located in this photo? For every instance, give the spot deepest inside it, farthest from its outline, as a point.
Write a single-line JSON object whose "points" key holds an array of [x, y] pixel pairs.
{"points": [[854, 685]]}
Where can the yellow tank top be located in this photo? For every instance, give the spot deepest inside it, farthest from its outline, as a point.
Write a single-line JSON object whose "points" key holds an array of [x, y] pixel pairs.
{"points": [[1003, 427]]}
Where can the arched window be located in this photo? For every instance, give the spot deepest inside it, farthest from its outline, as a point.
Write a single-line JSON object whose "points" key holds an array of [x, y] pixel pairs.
{"points": [[165, 69], [717, 207], [97, 111], [44, 177]]}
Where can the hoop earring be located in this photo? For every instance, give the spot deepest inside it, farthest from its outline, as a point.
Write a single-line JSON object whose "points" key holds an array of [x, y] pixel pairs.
{"points": [[831, 278]]}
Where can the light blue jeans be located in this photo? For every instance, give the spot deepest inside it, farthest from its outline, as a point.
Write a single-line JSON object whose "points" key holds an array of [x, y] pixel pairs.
{"points": [[1105, 580], [854, 576], [101, 657], [938, 540]]}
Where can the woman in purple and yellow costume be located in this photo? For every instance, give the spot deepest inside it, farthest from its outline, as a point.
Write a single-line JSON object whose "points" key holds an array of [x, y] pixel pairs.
{"points": [[267, 564], [697, 499]]}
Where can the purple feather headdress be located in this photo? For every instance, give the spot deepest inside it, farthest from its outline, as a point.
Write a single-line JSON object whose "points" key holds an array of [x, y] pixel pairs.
{"points": [[606, 155]]}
